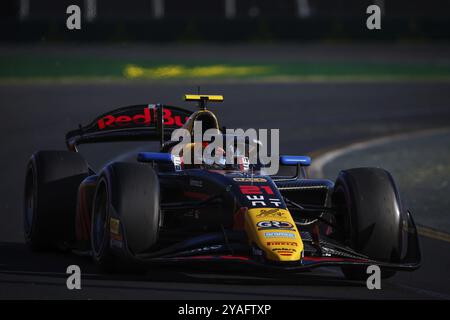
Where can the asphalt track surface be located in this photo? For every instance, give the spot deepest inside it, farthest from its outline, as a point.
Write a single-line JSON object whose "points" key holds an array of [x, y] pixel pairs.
{"points": [[423, 181], [253, 52], [311, 117]]}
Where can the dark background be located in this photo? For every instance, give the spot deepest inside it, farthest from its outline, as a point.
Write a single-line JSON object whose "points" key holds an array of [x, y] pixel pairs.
{"points": [[206, 20]]}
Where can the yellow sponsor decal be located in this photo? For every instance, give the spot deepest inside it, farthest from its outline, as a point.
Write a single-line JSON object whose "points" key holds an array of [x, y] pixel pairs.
{"points": [[284, 249], [281, 243], [272, 213], [274, 225], [280, 240], [114, 226]]}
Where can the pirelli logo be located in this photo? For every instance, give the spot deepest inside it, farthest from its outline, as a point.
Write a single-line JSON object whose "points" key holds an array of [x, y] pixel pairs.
{"points": [[282, 243]]}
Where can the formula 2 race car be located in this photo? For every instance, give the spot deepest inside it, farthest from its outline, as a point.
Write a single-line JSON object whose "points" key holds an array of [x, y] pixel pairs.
{"points": [[157, 211]]}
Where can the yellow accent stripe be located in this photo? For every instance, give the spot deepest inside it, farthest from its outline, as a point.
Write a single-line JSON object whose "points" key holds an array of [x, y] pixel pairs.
{"points": [[198, 97], [433, 234]]}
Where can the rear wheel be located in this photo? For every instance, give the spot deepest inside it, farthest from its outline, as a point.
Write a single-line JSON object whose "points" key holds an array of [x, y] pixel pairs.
{"points": [[371, 216], [51, 185], [127, 195]]}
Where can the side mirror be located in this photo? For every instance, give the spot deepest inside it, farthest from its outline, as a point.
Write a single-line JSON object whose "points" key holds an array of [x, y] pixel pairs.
{"points": [[299, 162], [303, 161], [167, 160]]}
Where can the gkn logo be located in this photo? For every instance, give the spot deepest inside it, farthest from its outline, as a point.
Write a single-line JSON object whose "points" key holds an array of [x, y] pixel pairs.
{"points": [[280, 225]]}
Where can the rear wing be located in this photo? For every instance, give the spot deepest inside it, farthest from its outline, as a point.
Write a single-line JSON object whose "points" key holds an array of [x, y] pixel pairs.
{"points": [[202, 99], [140, 122]]}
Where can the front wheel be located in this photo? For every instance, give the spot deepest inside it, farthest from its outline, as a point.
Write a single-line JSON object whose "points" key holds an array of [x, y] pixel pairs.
{"points": [[125, 216], [372, 217]]}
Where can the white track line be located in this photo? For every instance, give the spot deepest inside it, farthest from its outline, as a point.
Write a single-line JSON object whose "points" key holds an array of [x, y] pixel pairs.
{"points": [[321, 161], [433, 234]]}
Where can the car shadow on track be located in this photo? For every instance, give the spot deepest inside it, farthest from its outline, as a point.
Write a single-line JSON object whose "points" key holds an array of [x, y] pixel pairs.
{"points": [[17, 259]]}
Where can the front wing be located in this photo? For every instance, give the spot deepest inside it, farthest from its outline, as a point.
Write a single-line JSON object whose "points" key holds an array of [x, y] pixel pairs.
{"points": [[229, 250]]}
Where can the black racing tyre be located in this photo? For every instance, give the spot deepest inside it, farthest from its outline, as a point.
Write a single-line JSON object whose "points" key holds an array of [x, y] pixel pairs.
{"points": [[51, 184], [372, 217], [130, 193]]}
